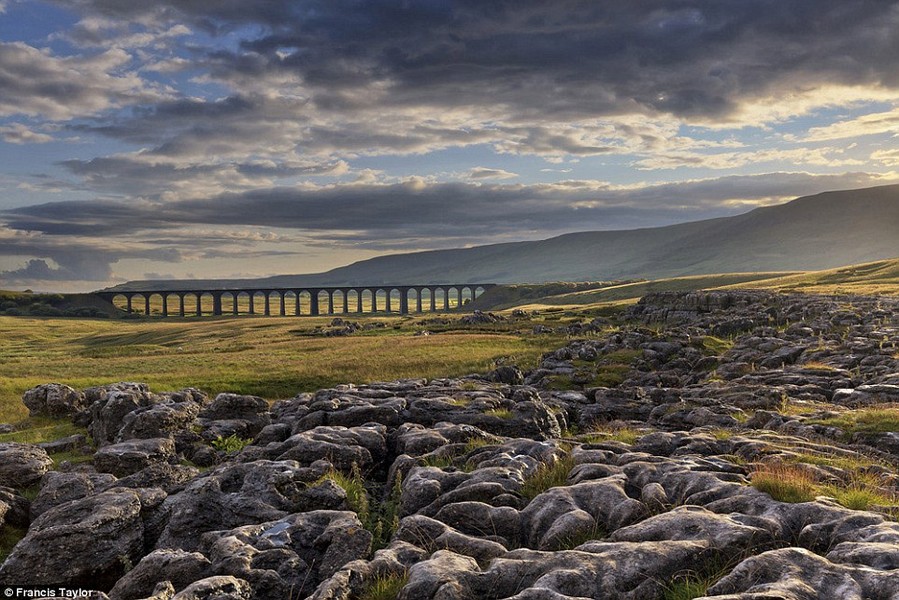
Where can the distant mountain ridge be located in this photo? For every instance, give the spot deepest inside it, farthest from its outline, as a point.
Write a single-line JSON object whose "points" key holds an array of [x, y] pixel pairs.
{"points": [[816, 232]]}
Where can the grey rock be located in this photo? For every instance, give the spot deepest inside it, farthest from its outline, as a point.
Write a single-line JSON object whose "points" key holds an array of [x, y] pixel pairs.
{"points": [[22, 465], [159, 420], [177, 567], [219, 587], [104, 534], [239, 494], [58, 488], [796, 573], [250, 410], [53, 400], [14, 509], [289, 556], [126, 458], [110, 406]]}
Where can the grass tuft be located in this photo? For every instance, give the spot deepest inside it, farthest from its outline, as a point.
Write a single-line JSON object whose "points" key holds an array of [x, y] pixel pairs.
{"points": [[385, 587], [785, 482], [232, 443], [547, 476], [500, 413]]}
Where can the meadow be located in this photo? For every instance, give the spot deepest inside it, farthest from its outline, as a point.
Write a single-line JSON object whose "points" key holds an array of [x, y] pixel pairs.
{"points": [[272, 357]]}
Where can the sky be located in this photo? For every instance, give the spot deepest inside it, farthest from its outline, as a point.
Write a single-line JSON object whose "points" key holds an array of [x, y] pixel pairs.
{"points": [[200, 139]]}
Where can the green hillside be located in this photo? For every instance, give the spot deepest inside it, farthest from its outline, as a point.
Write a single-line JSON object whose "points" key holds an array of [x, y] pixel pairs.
{"points": [[817, 232]]}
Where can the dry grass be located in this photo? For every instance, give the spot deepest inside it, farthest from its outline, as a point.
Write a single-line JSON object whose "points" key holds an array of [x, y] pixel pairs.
{"points": [[785, 482], [269, 357], [790, 482]]}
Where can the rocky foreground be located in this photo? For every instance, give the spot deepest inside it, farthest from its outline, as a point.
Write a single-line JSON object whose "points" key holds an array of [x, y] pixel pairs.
{"points": [[721, 444]]}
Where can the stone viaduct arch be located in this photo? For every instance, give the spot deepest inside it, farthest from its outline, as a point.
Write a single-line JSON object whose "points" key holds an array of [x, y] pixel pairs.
{"points": [[340, 300]]}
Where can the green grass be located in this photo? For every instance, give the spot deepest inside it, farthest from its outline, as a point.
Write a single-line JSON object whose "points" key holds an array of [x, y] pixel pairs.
{"points": [[696, 583], [232, 443], [34, 430], [880, 277], [714, 346], [380, 518], [500, 413], [582, 537], [74, 458], [270, 357], [354, 486], [608, 433], [9, 537], [617, 292], [846, 462], [547, 476], [384, 587], [867, 420], [863, 492]]}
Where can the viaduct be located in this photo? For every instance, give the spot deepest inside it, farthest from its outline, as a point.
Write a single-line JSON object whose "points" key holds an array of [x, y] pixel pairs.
{"points": [[301, 301]]}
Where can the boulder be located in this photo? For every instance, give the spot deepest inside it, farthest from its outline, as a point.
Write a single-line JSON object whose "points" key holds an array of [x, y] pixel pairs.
{"points": [[53, 400], [58, 488], [125, 458], [251, 411], [159, 420], [797, 573], [219, 587], [290, 556], [240, 494], [177, 567], [110, 406], [90, 543], [22, 465]]}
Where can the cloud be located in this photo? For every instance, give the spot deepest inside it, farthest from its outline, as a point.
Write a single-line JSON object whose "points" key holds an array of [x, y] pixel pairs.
{"points": [[487, 173], [440, 211], [34, 82], [18, 133], [38, 270], [869, 124], [573, 59]]}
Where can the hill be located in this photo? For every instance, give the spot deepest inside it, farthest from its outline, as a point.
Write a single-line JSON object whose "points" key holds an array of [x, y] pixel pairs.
{"points": [[817, 232]]}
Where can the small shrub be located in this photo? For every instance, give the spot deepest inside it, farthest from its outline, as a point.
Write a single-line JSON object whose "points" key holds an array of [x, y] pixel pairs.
{"points": [[384, 518], [232, 443], [785, 482]]}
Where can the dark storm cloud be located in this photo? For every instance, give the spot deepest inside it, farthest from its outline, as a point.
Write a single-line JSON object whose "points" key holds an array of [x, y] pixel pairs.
{"points": [[561, 60]]}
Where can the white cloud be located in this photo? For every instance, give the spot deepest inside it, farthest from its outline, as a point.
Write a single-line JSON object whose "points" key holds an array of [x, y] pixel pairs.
{"points": [[18, 133]]}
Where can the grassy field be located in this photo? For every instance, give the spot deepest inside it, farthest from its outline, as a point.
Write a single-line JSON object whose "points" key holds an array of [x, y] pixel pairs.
{"points": [[272, 357], [880, 277]]}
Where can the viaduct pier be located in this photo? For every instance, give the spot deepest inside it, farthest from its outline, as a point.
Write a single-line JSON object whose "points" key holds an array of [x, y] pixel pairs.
{"points": [[401, 299]]}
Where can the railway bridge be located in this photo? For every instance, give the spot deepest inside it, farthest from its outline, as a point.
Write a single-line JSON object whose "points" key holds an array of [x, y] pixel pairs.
{"points": [[297, 300]]}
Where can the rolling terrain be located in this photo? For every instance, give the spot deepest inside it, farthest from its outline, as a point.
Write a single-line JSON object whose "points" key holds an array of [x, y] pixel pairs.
{"points": [[822, 231]]}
